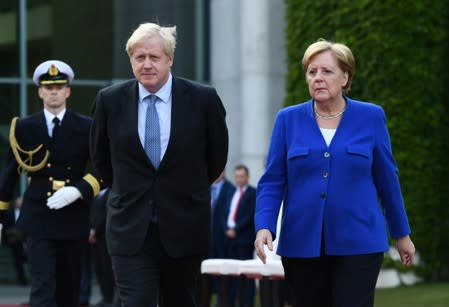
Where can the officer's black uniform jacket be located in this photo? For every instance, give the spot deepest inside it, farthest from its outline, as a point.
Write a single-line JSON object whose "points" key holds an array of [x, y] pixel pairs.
{"points": [[67, 163]]}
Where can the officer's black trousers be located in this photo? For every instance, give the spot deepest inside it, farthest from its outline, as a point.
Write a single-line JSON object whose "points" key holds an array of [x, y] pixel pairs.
{"points": [[55, 267]]}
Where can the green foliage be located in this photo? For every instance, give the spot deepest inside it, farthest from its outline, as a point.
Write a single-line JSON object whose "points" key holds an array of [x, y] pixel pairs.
{"points": [[402, 54]]}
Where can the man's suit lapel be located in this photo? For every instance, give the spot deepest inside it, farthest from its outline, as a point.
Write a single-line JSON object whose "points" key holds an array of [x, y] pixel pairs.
{"points": [[129, 104], [180, 102]]}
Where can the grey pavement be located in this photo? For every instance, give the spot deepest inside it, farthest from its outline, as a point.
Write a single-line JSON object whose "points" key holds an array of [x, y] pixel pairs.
{"points": [[11, 294]]}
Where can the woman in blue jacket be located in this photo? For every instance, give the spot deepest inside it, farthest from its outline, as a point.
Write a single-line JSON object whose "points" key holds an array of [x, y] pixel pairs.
{"points": [[331, 165]]}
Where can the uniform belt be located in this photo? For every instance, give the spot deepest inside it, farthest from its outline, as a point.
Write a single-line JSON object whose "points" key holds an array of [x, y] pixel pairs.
{"points": [[57, 184], [44, 182]]}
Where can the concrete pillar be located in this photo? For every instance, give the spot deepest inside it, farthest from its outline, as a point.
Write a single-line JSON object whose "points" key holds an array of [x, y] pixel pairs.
{"points": [[248, 68]]}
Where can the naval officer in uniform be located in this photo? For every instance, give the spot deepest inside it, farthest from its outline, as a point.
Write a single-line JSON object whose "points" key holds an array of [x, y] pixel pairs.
{"points": [[52, 148]]}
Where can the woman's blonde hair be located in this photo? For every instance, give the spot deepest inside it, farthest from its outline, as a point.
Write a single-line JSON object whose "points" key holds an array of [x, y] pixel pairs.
{"points": [[341, 52]]}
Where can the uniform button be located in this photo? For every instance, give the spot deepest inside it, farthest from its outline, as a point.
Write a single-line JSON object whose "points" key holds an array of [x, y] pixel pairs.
{"points": [[49, 165], [327, 154], [67, 180], [323, 195], [325, 174], [50, 178], [48, 193]]}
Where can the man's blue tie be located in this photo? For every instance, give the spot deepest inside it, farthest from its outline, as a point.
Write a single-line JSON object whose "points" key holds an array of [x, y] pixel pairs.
{"points": [[152, 132]]}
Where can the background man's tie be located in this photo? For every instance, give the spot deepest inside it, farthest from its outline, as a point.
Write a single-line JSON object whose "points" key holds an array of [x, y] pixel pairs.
{"points": [[234, 215], [152, 132]]}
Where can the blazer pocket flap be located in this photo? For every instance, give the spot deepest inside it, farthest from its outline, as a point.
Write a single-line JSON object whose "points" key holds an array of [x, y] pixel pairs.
{"points": [[297, 152], [358, 150]]}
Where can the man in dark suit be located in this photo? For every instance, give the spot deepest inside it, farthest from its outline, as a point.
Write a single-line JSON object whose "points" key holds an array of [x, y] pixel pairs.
{"points": [[240, 233], [102, 259], [222, 191], [52, 147], [159, 141]]}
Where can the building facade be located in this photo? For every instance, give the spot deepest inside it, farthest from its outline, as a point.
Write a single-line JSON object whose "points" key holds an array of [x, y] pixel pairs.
{"points": [[235, 45]]}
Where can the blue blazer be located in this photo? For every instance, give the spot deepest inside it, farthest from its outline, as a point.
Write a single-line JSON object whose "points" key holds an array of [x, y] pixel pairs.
{"points": [[346, 193]]}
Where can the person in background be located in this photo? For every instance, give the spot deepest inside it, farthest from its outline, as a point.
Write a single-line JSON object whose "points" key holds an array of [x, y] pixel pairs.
{"points": [[330, 163], [86, 272], [15, 240], [240, 234], [222, 191], [52, 147], [159, 141], [102, 259]]}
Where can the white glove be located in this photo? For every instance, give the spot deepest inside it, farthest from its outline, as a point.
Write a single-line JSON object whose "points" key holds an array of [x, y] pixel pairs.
{"points": [[63, 197]]}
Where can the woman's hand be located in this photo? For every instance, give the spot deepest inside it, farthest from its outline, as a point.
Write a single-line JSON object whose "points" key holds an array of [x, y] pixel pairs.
{"points": [[263, 237], [406, 250]]}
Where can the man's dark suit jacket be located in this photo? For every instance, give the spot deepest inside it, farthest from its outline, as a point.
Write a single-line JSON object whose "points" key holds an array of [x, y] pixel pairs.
{"points": [[219, 219], [67, 163], [98, 213], [179, 189], [244, 224]]}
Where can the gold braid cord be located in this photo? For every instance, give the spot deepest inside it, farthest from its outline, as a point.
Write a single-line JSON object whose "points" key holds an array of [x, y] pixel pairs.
{"points": [[27, 164]]}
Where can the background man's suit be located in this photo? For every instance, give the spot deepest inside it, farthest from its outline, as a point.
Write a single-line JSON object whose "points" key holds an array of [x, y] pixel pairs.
{"points": [[242, 246], [179, 190], [220, 208], [102, 259], [15, 240]]}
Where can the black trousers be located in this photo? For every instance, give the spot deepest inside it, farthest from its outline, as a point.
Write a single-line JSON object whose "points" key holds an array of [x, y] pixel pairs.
{"points": [[103, 269], [333, 281], [151, 276], [20, 258], [55, 267]]}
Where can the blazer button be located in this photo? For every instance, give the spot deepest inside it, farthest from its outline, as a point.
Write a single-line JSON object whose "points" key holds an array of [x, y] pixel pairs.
{"points": [[323, 195], [325, 174], [326, 154]]}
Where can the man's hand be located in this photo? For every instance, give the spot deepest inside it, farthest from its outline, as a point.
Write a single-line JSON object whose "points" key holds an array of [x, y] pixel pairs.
{"points": [[92, 237], [231, 233], [263, 237], [63, 197]]}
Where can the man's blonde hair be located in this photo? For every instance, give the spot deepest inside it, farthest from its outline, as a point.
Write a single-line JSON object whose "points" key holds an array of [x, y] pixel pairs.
{"points": [[148, 30]]}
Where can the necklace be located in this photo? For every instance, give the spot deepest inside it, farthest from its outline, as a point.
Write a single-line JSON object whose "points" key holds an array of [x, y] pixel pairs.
{"points": [[328, 117]]}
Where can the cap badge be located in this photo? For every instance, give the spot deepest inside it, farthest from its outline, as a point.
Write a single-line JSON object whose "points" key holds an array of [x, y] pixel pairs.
{"points": [[53, 70]]}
